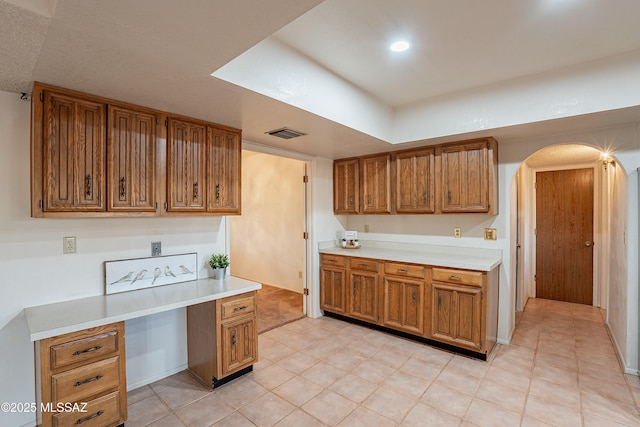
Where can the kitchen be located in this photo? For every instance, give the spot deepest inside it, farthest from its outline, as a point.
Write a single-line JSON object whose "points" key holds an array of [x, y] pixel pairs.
{"points": [[36, 272]]}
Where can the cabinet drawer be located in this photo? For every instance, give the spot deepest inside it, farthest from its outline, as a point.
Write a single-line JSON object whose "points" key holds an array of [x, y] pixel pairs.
{"points": [[235, 306], [103, 411], [473, 278], [335, 260], [84, 349], [364, 264], [86, 381], [400, 269]]}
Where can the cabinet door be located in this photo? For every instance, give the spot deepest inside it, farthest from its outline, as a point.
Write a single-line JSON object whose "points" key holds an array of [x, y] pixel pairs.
{"points": [[74, 154], [224, 172], [346, 186], [363, 298], [415, 181], [131, 152], [403, 304], [239, 344], [333, 290], [457, 315], [376, 174], [465, 178], [186, 167]]}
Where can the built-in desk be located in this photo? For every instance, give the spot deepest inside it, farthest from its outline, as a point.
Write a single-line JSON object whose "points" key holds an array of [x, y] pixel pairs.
{"points": [[80, 344]]}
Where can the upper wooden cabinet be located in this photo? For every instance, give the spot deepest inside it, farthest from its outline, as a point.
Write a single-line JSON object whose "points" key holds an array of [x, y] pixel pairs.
{"points": [[71, 152], [458, 177], [415, 183], [131, 164], [224, 171], [376, 184], [186, 166], [346, 186], [468, 177], [94, 157]]}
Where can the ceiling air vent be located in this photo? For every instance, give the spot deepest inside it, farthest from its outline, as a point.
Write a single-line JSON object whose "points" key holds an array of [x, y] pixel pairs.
{"points": [[286, 133]]}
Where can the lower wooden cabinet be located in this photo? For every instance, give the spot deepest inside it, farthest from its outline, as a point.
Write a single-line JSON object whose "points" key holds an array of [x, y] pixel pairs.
{"points": [[222, 337], [457, 309], [84, 367]]}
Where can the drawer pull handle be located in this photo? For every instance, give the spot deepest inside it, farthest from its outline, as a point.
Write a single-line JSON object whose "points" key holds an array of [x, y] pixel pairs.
{"points": [[87, 381], [240, 308], [363, 265], [332, 260], [452, 277], [89, 350], [403, 270], [90, 417]]}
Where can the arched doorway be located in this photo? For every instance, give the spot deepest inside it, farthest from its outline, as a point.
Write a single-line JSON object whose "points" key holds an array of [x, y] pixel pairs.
{"points": [[549, 160]]}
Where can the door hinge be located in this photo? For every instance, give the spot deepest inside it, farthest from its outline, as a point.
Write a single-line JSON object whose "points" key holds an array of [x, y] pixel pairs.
{"points": [[41, 96], [156, 205], [305, 291], [305, 235], [40, 204], [535, 231], [305, 178], [535, 277], [166, 206], [166, 122], [535, 185], [481, 294]]}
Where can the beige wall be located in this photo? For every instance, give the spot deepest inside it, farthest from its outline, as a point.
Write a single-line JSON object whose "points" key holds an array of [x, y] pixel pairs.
{"points": [[266, 240]]}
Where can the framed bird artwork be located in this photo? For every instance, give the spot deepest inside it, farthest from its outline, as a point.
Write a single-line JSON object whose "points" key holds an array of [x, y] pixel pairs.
{"points": [[138, 273]]}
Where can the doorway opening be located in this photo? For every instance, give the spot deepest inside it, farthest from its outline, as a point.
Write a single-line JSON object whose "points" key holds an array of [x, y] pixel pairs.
{"points": [[546, 182], [267, 243]]}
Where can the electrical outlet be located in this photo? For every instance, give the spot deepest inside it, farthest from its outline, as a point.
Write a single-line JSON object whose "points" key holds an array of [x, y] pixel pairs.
{"points": [[156, 248], [457, 232], [299, 274], [69, 245], [490, 234], [366, 228]]}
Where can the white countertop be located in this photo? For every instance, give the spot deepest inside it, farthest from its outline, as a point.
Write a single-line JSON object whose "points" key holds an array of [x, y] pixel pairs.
{"points": [[435, 255], [49, 320]]}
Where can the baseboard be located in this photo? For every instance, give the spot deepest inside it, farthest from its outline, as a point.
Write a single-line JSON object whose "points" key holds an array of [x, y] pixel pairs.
{"points": [[619, 355], [165, 374]]}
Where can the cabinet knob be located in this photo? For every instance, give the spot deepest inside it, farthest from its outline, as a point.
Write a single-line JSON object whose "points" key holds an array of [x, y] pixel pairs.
{"points": [[195, 190], [89, 185], [415, 296], [123, 187], [233, 339], [217, 191]]}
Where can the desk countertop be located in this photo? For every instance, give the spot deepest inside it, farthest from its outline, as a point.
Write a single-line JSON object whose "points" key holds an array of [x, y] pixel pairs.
{"points": [[58, 318]]}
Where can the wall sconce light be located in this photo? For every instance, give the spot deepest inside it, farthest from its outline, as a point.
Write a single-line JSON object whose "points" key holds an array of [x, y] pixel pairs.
{"points": [[608, 161]]}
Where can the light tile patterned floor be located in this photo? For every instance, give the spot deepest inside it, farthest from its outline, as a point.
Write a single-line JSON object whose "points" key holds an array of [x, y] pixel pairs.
{"points": [[560, 370]]}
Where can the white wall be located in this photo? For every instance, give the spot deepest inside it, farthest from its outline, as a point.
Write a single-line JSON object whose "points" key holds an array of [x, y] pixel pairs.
{"points": [[266, 244], [35, 272]]}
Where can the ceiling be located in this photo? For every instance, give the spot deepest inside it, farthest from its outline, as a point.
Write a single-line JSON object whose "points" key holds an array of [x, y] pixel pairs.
{"points": [[161, 54]]}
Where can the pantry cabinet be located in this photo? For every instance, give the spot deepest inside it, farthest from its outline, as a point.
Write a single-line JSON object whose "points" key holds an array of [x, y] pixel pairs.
{"points": [[73, 137], [131, 160], [415, 181], [84, 367], [346, 186]]}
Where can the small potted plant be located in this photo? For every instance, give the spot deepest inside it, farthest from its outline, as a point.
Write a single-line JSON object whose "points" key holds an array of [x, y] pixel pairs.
{"points": [[219, 264]]}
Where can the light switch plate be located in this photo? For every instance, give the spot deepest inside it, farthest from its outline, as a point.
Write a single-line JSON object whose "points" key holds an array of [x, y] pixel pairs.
{"points": [[490, 234]]}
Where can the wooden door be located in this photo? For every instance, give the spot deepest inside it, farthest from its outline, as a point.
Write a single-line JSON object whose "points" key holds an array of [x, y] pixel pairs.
{"points": [[239, 348], [131, 152], [403, 305], [564, 235], [186, 166], [346, 186], [332, 289], [363, 298], [74, 154], [376, 185], [465, 182], [415, 181], [224, 172]]}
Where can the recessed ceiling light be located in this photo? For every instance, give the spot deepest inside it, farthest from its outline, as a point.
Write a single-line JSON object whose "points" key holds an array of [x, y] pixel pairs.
{"points": [[400, 46]]}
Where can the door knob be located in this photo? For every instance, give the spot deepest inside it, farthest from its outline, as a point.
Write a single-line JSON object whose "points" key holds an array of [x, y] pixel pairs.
{"points": [[587, 243]]}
